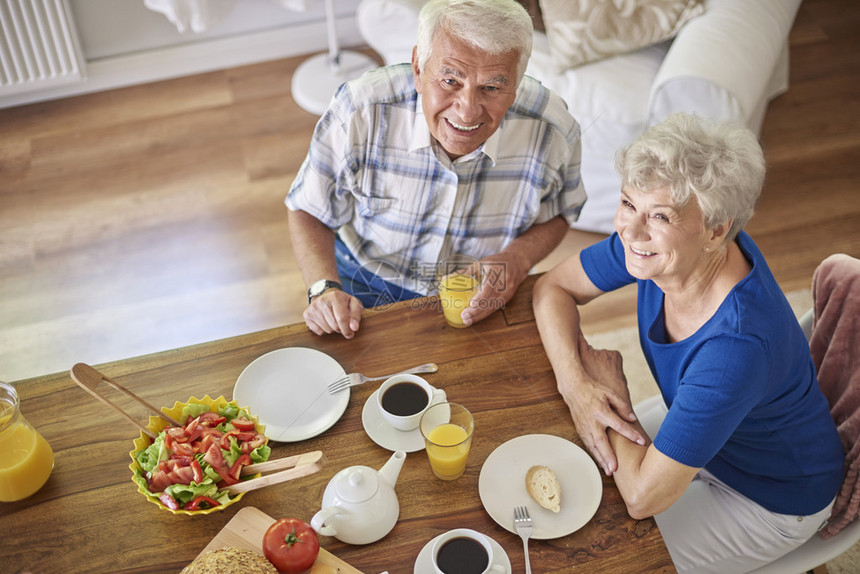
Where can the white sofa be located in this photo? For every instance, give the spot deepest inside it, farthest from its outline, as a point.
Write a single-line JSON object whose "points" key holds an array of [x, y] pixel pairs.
{"points": [[728, 62]]}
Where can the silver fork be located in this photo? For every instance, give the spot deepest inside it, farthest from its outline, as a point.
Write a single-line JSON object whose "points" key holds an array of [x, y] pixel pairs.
{"points": [[353, 379], [523, 524]]}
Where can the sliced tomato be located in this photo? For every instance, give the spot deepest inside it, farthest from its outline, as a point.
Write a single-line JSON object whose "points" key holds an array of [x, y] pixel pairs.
{"points": [[182, 475], [208, 437], [172, 471], [258, 440], [240, 436], [201, 502], [178, 434], [182, 449], [193, 430], [227, 481], [243, 424], [224, 442], [215, 458], [236, 469], [168, 501], [198, 472], [210, 419], [159, 480], [250, 444]]}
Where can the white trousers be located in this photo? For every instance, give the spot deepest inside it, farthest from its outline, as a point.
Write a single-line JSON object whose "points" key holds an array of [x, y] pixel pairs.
{"points": [[713, 528]]}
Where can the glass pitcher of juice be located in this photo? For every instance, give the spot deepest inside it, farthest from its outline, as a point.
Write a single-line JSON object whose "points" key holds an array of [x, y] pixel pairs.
{"points": [[26, 458]]}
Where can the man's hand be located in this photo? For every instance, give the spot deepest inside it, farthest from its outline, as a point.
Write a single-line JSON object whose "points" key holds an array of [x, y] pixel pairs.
{"points": [[334, 312], [603, 402], [503, 274], [505, 271]]}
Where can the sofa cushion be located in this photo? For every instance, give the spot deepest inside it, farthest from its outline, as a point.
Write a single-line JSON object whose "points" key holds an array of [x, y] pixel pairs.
{"points": [[582, 31], [607, 99]]}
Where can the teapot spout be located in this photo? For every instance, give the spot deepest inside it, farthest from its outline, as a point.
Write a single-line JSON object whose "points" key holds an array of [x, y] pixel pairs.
{"points": [[391, 470]]}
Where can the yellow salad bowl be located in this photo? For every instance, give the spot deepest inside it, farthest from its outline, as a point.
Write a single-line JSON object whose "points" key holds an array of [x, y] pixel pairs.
{"points": [[157, 424]]}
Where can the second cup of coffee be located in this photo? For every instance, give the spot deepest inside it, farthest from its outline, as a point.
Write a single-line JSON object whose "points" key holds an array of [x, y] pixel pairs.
{"points": [[404, 398], [464, 551]]}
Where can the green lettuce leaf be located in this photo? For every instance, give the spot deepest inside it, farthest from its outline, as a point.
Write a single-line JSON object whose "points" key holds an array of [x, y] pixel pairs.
{"points": [[185, 493], [230, 412], [193, 410], [261, 453], [149, 457]]}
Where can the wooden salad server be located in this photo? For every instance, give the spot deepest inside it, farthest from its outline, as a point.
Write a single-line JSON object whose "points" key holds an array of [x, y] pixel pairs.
{"points": [[89, 378], [298, 466]]}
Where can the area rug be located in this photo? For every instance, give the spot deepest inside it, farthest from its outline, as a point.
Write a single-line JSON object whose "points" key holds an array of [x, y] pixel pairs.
{"points": [[642, 386]]}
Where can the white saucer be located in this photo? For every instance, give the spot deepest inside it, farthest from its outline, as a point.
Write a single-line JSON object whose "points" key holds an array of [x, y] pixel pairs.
{"points": [[424, 562], [385, 435]]}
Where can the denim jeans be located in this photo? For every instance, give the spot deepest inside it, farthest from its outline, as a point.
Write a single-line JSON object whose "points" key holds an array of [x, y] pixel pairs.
{"points": [[367, 286]]}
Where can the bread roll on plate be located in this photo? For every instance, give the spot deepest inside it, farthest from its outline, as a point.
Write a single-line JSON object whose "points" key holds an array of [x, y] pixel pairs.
{"points": [[544, 487]]}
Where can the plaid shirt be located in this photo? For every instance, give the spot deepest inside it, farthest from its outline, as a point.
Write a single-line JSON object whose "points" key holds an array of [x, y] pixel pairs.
{"points": [[374, 173]]}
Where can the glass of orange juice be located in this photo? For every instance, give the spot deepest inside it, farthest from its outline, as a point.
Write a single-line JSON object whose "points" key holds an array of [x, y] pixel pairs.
{"points": [[459, 279], [447, 429], [26, 458]]}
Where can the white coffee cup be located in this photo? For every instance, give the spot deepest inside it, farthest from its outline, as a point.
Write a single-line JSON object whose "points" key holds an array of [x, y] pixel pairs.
{"points": [[403, 408], [470, 535]]}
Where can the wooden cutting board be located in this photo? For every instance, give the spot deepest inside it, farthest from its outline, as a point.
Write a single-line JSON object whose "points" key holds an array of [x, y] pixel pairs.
{"points": [[246, 530]]}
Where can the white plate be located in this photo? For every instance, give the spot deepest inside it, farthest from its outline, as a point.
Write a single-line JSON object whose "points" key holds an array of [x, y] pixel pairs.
{"points": [[385, 435], [424, 562], [286, 389], [502, 484]]}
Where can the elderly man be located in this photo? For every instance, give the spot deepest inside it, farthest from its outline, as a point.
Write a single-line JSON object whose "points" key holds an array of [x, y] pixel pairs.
{"points": [[457, 153]]}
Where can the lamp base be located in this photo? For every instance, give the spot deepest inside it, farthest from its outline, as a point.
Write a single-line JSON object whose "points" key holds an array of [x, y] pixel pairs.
{"points": [[315, 82]]}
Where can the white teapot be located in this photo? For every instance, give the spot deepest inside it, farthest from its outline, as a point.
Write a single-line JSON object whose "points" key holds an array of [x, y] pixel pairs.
{"points": [[359, 505]]}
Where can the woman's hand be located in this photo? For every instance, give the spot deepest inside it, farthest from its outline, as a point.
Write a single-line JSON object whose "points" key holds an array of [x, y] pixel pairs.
{"points": [[591, 382], [601, 401]]}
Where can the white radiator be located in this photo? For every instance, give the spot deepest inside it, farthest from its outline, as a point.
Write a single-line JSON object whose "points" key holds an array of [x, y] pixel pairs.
{"points": [[38, 46]]}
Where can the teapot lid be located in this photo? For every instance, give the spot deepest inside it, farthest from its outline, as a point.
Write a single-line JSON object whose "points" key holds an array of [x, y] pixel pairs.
{"points": [[358, 484]]}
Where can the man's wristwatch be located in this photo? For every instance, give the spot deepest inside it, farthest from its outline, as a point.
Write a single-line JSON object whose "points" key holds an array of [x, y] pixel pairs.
{"points": [[318, 287]]}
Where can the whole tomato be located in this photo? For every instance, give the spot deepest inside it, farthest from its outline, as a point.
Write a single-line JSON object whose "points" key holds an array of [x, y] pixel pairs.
{"points": [[291, 545]]}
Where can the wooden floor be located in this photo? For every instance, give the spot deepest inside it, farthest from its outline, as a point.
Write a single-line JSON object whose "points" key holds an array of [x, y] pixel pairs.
{"points": [[151, 217]]}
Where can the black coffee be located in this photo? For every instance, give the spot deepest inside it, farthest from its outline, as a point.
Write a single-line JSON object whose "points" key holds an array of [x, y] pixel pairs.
{"points": [[462, 556], [404, 399]]}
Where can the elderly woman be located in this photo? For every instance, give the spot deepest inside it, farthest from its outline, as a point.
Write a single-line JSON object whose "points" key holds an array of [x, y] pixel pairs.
{"points": [[747, 461]]}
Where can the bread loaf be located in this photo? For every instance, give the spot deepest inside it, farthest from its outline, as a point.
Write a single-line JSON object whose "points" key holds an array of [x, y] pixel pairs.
{"points": [[544, 487], [230, 561]]}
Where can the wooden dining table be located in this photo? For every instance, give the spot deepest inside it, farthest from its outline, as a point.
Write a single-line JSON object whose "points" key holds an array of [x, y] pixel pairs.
{"points": [[90, 517]]}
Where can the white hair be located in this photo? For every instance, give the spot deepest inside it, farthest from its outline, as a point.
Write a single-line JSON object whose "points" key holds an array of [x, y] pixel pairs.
{"points": [[491, 26], [720, 164]]}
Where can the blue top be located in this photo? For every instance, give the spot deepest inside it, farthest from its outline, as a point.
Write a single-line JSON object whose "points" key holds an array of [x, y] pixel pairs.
{"points": [[742, 392]]}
